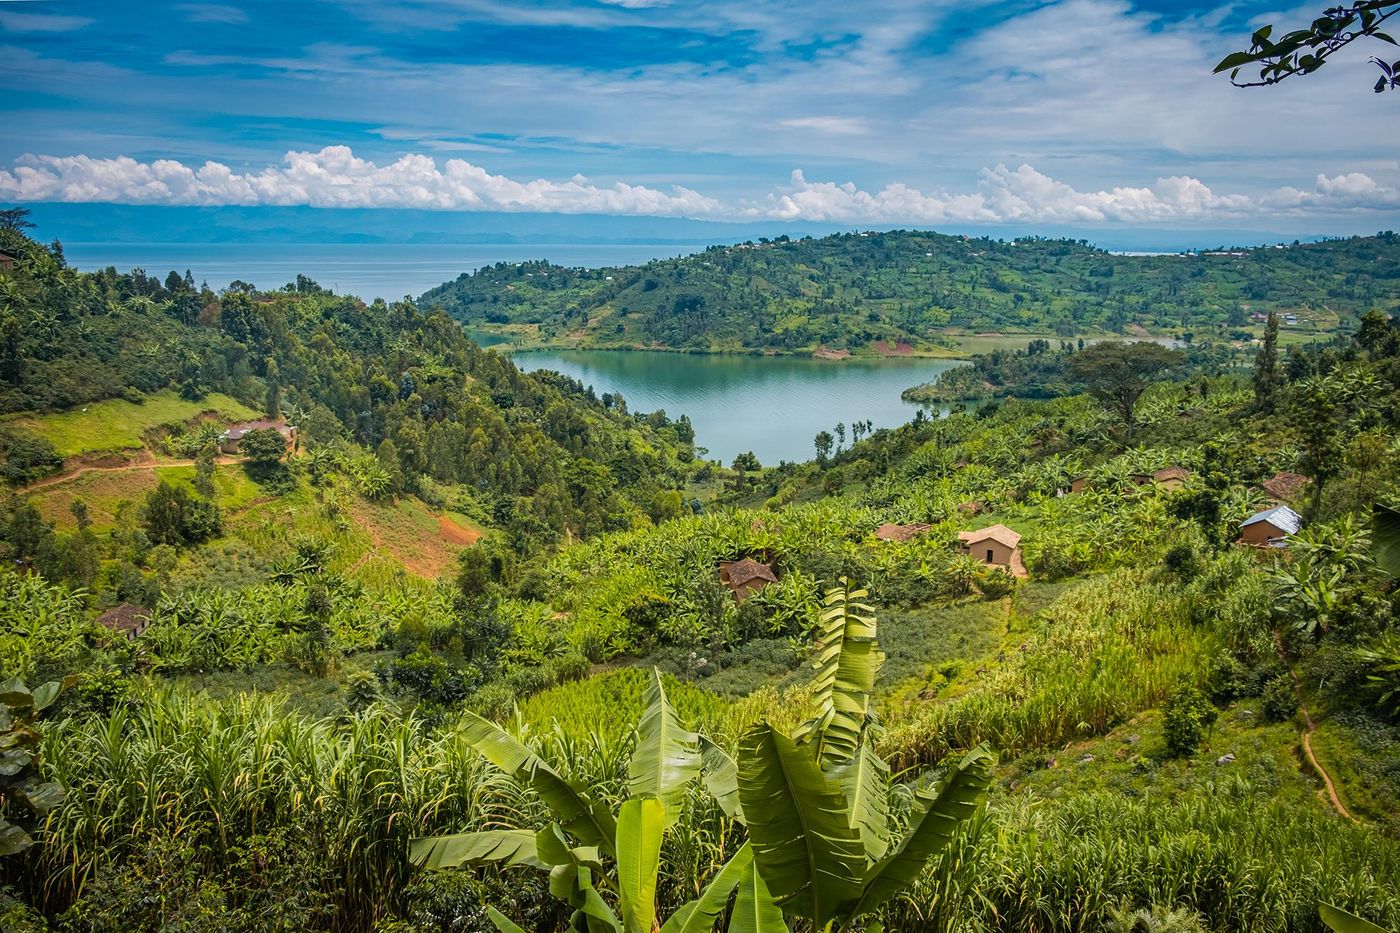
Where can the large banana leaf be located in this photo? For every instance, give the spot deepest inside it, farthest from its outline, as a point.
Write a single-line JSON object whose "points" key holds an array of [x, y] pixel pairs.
{"points": [[588, 820], [502, 922], [754, 909], [848, 660], [933, 825], [1340, 921], [640, 825], [667, 756], [571, 880], [699, 915], [865, 780], [721, 777], [809, 856], [511, 846]]}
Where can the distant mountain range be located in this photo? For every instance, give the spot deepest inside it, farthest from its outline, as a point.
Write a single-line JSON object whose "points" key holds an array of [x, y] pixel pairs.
{"points": [[122, 223]]}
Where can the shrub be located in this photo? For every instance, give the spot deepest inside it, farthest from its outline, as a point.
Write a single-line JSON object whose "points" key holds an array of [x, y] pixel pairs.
{"points": [[26, 456], [495, 701], [1279, 699], [996, 583], [1185, 717], [1226, 678]]}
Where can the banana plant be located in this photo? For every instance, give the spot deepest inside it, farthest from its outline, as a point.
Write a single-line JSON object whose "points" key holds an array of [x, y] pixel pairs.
{"points": [[817, 804], [666, 759], [818, 801]]}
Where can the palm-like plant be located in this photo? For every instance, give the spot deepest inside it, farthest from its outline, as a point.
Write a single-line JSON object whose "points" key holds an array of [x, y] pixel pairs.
{"points": [[817, 805]]}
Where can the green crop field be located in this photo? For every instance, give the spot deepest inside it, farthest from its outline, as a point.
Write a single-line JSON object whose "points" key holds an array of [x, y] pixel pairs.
{"points": [[117, 424]]}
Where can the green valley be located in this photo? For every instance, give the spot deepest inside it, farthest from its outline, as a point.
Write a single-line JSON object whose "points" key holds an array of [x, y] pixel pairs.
{"points": [[434, 644]]}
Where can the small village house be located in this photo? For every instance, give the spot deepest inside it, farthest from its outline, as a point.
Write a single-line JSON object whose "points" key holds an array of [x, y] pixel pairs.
{"points": [[892, 532], [1283, 487], [7, 260], [1078, 484], [1170, 478], [126, 619], [745, 577], [995, 545], [228, 441], [1271, 527]]}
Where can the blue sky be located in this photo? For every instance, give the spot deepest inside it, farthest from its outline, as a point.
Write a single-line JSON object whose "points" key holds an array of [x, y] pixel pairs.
{"points": [[1092, 112]]}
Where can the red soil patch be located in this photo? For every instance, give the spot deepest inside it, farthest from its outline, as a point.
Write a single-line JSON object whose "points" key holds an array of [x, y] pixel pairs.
{"points": [[454, 533], [822, 353], [890, 348]]}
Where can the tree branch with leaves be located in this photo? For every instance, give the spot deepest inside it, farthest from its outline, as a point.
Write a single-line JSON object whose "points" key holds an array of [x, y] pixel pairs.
{"points": [[1304, 51]]}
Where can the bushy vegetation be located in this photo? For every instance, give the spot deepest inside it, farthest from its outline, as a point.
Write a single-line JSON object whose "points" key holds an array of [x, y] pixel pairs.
{"points": [[539, 699]]}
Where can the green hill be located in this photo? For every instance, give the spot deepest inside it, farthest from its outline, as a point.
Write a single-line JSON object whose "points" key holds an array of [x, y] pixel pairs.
{"points": [[855, 291]]}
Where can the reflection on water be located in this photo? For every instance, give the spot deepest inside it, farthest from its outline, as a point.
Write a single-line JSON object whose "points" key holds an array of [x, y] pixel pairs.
{"points": [[773, 406]]}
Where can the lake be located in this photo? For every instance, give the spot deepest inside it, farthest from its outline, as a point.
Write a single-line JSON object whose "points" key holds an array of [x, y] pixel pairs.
{"points": [[772, 405], [369, 270]]}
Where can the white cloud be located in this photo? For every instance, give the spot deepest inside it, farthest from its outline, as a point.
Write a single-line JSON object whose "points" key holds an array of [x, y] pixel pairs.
{"points": [[336, 177], [1024, 195], [333, 177], [841, 126], [41, 22], [212, 13]]}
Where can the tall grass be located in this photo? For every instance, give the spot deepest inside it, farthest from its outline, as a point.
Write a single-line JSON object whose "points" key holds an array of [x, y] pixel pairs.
{"points": [[1243, 863], [1102, 652]]}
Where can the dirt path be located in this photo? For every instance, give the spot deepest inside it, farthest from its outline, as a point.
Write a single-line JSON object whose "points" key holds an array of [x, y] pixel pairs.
{"points": [[150, 464], [1310, 728]]}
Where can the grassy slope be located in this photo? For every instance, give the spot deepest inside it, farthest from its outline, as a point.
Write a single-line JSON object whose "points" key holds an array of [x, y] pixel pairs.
{"points": [[116, 424]]}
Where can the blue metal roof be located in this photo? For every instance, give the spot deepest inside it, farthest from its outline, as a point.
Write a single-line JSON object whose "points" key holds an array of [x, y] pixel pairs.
{"points": [[1281, 517]]}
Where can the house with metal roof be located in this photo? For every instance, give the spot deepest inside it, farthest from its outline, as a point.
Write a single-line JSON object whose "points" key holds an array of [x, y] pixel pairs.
{"points": [[1271, 527]]}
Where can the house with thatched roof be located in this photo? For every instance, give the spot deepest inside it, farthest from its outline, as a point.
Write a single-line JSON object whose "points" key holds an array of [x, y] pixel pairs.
{"points": [[893, 532], [995, 545], [745, 577], [1284, 487], [126, 619], [1271, 527]]}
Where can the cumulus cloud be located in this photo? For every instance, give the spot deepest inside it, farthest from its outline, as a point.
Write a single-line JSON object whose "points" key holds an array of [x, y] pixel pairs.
{"points": [[1024, 195], [336, 177], [333, 177]]}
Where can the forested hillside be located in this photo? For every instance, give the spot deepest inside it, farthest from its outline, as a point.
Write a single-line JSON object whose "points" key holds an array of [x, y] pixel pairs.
{"points": [[819, 694], [851, 291]]}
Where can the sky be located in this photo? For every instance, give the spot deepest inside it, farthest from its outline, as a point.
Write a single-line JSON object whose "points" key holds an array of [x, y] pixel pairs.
{"points": [[873, 112]]}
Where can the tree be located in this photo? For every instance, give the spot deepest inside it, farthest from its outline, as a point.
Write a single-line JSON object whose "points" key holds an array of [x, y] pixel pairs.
{"points": [[1304, 51], [272, 401], [747, 461], [1267, 378], [15, 219], [823, 442], [263, 445], [1118, 373], [204, 471], [173, 515]]}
